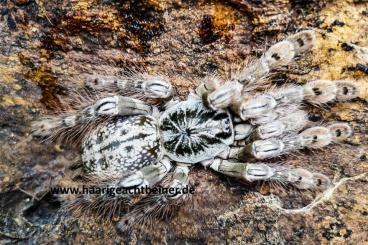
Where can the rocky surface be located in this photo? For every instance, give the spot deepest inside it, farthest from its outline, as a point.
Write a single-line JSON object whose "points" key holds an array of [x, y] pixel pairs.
{"points": [[46, 46]]}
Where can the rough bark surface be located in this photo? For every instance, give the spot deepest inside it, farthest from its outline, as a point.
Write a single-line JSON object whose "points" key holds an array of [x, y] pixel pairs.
{"points": [[46, 46]]}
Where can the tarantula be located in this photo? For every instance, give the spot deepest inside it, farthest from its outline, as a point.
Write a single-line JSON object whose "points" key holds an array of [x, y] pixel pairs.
{"points": [[229, 127]]}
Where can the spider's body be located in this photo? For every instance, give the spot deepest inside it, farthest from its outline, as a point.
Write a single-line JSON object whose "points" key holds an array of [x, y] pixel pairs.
{"points": [[230, 127], [125, 144], [188, 132], [192, 133]]}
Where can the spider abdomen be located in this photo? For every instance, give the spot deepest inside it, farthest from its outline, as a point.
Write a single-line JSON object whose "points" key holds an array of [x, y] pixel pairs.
{"points": [[192, 133], [124, 144]]}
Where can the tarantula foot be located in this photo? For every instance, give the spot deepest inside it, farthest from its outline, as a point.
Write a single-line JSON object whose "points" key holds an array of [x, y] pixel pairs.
{"points": [[316, 137], [340, 131], [99, 82], [320, 91], [321, 181], [52, 125], [299, 177], [303, 40], [303, 179], [279, 54], [346, 90], [45, 127]]}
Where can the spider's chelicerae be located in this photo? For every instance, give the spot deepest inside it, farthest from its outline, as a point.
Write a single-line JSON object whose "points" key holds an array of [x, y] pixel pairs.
{"points": [[229, 126]]}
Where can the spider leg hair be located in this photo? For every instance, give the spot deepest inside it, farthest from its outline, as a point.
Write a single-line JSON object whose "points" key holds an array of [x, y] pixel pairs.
{"points": [[298, 177], [158, 205], [312, 138], [106, 204], [278, 55], [317, 92], [149, 86], [148, 175], [77, 122]]}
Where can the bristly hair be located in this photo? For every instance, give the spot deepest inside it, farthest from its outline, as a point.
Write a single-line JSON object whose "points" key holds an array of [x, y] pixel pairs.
{"points": [[130, 75], [151, 208], [234, 72], [132, 210], [51, 128], [103, 206]]}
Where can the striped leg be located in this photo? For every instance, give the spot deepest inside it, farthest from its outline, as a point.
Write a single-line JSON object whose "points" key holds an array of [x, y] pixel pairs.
{"points": [[318, 92], [158, 205], [298, 177], [180, 180], [105, 107], [251, 77], [148, 176], [313, 138], [149, 86]]}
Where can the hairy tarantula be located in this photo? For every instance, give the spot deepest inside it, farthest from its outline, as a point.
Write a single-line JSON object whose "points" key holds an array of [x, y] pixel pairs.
{"points": [[230, 127]]}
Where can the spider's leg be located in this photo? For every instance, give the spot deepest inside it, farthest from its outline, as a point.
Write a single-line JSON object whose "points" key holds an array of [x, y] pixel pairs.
{"points": [[313, 138], [242, 131], [148, 86], [278, 118], [319, 92], [277, 130], [282, 121], [148, 175], [324, 91], [119, 192], [278, 55], [158, 205], [298, 177], [179, 181], [115, 106], [102, 108]]}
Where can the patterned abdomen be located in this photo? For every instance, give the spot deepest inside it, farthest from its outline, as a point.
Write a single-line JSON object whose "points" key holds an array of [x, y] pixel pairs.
{"points": [[125, 144], [192, 132]]}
